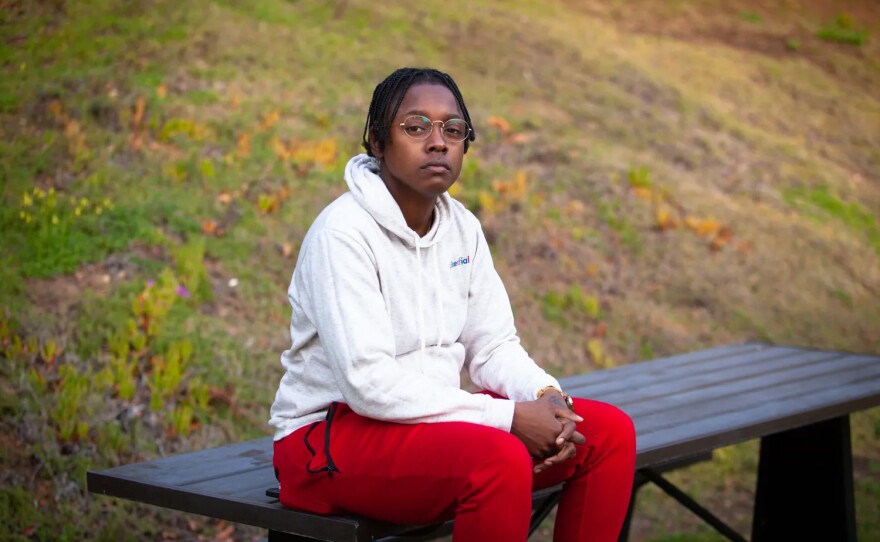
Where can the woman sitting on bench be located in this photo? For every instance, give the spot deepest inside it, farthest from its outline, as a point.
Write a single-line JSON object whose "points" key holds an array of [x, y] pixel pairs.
{"points": [[394, 292]]}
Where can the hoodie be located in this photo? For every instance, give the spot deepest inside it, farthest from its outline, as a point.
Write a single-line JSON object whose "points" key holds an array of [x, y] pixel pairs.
{"points": [[385, 320]]}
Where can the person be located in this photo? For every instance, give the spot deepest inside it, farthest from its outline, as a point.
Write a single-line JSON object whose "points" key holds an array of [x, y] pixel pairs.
{"points": [[393, 294]]}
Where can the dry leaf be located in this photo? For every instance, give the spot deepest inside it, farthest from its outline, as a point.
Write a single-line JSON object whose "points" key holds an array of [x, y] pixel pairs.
{"points": [[499, 124], [665, 220], [162, 91], [286, 249], [224, 198], [209, 227], [643, 192], [518, 138], [270, 120], [138, 116]]}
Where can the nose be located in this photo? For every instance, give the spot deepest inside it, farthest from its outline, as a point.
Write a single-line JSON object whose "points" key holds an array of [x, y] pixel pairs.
{"points": [[435, 141]]}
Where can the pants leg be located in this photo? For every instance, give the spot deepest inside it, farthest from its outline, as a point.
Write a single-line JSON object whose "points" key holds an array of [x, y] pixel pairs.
{"points": [[412, 473], [598, 479], [425, 473]]}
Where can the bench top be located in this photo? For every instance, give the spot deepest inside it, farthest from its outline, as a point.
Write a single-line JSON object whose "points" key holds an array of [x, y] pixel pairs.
{"points": [[681, 405]]}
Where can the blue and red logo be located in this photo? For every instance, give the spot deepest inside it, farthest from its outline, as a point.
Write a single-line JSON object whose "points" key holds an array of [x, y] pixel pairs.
{"points": [[464, 260]]}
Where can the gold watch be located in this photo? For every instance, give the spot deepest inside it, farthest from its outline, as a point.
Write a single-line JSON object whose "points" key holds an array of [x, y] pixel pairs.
{"points": [[565, 397]]}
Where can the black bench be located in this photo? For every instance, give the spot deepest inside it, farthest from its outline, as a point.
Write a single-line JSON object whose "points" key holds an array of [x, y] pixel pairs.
{"points": [[797, 401]]}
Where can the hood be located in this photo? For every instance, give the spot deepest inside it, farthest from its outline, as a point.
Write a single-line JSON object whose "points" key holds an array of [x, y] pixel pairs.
{"points": [[368, 189]]}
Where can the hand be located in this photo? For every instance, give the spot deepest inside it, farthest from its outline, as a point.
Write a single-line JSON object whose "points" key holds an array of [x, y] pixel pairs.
{"points": [[545, 425], [567, 449]]}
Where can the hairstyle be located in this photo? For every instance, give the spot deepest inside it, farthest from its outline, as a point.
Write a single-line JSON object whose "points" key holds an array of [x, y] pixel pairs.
{"points": [[387, 99]]}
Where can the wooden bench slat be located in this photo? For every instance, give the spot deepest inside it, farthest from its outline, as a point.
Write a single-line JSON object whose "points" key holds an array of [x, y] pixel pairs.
{"points": [[659, 367], [761, 419], [634, 384], [746, 379], [698, 406]]}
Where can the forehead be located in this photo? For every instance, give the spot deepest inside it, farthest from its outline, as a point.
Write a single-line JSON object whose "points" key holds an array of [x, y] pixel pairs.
{"points": [[430, 99]]}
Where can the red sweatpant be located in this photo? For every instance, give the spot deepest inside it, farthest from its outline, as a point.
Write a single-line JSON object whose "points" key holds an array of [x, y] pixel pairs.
{"points": [[430, 472]]}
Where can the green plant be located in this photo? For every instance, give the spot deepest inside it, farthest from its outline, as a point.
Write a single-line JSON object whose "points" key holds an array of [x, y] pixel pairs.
{"points": [[69, 411], [842, 29], [821, 203], [639, 177]]}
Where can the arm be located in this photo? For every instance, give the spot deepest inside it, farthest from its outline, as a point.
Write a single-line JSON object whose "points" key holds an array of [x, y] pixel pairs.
{"points": [[495, 358], [344, 302]]}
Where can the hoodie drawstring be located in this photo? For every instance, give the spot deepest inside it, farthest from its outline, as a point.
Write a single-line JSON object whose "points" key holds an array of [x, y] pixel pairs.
{"points": [[438, 299], [421, 319]]}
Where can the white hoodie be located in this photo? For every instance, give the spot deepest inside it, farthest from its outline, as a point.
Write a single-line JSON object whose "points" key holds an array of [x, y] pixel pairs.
{"points": [[384, 320]]}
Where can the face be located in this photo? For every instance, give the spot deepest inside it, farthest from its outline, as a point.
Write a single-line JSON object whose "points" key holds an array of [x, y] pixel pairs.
{"points": [[422, 168]]}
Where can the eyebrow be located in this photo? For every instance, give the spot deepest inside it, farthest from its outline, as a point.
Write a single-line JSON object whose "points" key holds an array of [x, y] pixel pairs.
{"points": [[447, 116]]}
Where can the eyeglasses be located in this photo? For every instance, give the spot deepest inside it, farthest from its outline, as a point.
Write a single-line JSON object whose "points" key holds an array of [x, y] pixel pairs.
{"points": [[419, 127]]}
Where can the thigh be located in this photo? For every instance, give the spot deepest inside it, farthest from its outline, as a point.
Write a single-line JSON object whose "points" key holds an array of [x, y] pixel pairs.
{"points": [[406, 473]]}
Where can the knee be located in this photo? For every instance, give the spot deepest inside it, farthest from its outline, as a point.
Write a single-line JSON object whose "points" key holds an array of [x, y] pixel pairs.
{"points": [[607, 423], [505, 461]]}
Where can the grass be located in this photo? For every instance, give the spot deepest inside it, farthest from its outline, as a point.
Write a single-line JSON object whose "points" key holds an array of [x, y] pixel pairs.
{"points": [[153, 152]]}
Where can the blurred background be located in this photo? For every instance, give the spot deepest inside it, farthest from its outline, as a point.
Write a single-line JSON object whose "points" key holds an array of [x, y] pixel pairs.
{"points": [[654, 177]]}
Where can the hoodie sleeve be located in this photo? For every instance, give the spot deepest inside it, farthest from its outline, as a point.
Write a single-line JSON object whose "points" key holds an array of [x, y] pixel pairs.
{"points": [[343, 299], [496, 360]]}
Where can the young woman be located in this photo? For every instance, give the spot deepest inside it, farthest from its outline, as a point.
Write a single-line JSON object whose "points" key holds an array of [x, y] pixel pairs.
{"points": [[394, 293]]}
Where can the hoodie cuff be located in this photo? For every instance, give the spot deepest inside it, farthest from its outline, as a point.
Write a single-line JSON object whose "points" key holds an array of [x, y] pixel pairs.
{"points": [[498, 413]]}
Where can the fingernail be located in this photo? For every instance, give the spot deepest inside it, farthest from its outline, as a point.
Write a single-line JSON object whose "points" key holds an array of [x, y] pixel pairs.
{"points": [[578, 418], [559, 441]]}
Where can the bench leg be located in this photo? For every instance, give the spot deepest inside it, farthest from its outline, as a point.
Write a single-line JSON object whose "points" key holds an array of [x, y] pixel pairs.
{"points": [[805, 485]]}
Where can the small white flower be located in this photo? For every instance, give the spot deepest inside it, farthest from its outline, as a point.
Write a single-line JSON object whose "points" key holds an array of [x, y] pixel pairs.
{"points": [[233, 282]]}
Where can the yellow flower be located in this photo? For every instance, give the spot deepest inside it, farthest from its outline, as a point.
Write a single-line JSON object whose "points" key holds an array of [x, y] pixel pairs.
{"points": [[54, 219], [26, 200]]}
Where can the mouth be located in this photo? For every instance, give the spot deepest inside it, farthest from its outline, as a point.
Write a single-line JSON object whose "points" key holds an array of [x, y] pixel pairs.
{"points": [[437, 166]]}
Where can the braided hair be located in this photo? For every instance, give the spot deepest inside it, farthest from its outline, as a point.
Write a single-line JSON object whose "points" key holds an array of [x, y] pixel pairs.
{"points": [[387, 99]]}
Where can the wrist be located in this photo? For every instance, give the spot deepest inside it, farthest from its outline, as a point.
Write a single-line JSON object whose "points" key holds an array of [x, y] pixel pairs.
{"points": [[556, 391]]}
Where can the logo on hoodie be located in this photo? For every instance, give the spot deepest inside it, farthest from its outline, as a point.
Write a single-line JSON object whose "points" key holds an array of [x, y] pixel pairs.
{"points": [[464, 260]]}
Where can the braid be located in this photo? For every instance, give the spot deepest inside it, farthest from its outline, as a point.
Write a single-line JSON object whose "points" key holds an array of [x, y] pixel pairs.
{"points": [[378, 124]]}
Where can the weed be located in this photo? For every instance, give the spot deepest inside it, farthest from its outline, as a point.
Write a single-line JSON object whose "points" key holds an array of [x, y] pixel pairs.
{"points": [[559, 307], [751, 17], [629, 235], [842, 30], [821, 203]]}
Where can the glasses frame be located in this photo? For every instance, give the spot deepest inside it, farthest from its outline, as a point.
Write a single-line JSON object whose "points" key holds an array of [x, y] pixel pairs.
{"points": [[442, 126]]}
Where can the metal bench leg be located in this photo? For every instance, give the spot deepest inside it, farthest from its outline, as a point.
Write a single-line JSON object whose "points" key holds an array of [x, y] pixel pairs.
{"points": [[805, 485]]}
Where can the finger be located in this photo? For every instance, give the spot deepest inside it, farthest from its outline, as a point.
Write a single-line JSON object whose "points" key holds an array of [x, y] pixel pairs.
{"points": [[567, 452], [568, 427], [567, 414], [577, 438]]}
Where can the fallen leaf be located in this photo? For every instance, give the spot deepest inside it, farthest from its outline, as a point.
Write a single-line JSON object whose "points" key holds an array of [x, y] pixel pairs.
{"points": [[643, 192], [224, 198], [499, 124], [286, 249], [665, 220], [161, 91], [209, 227]]}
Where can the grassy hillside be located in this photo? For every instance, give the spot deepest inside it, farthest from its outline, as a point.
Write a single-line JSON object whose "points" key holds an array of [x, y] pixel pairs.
{"points": [[654, 177]]}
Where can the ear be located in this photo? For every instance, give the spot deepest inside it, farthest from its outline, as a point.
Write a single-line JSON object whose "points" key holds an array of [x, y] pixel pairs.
{"points": [[374, 145]]}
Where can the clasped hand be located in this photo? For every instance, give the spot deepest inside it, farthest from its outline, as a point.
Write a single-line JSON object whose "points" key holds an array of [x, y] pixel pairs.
{"points": [[547, 427]]}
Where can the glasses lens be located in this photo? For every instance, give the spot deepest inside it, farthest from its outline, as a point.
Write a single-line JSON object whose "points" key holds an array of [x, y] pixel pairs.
{"points": [[417, 127], [455, 130]]}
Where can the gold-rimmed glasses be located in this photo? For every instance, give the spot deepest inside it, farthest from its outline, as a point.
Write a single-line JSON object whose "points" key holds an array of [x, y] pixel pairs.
{"points": [[419, 127]]}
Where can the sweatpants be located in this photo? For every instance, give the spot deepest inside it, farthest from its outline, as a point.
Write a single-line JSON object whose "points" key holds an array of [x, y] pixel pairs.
{"points": [[481, 476]]}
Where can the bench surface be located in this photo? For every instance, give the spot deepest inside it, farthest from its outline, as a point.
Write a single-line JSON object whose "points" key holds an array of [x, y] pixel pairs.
{"points": [[682, 406]]}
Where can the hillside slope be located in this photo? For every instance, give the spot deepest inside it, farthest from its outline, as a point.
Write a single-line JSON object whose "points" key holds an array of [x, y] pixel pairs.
{"points": [[654, 177]]}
